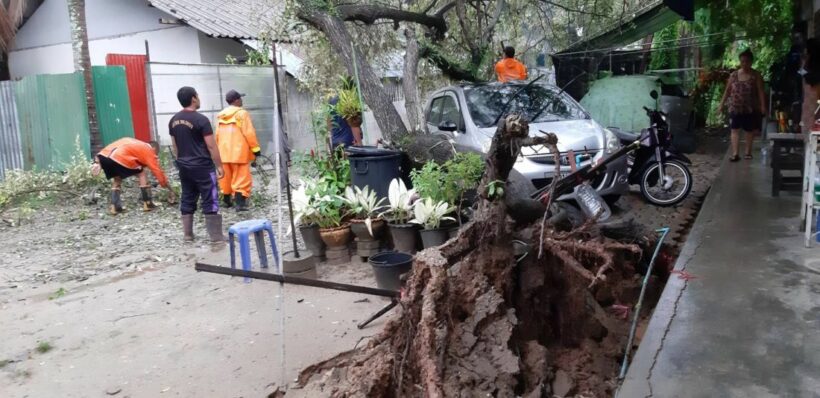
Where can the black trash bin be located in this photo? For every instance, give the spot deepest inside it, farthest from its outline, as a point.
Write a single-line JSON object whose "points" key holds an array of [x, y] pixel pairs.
{"points": [[374, 167]]}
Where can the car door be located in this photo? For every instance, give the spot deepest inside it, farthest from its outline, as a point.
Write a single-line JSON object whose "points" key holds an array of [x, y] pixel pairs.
{"points": [[445, 109]]}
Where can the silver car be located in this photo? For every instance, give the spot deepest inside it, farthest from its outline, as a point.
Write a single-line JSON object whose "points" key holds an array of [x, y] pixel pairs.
{"points": [[467, 114]]}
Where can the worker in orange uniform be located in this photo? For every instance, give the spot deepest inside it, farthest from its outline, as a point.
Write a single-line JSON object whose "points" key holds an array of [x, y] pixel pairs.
{"points": [[510, 68], [238, 148], [127, 157]]}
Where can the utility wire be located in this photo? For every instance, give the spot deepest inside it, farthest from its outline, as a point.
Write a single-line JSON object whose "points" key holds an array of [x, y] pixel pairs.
{"points": [[614, 48]]}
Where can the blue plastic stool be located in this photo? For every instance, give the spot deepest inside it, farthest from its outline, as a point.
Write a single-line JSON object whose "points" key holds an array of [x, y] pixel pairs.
{"points": [[242, 230]]}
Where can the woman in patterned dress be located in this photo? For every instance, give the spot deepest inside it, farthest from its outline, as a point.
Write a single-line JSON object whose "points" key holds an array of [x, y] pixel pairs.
{"points": [[747, 104]]}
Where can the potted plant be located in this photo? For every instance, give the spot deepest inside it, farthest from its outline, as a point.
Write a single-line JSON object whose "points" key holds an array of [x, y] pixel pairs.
{"points": [[363, 206], [349, 107], [429, 214], [399, 213], [330, 216], [305, 216]]}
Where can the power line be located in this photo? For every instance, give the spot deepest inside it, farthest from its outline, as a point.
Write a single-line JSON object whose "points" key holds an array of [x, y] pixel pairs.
{"points": [[612, 51], [613, 48]]}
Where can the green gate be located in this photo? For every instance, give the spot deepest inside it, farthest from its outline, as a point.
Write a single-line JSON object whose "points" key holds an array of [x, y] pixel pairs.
{"points": [[113, 103]]}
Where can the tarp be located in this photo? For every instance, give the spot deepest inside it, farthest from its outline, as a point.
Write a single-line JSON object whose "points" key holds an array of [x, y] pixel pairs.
{"points": [[618, 101]]}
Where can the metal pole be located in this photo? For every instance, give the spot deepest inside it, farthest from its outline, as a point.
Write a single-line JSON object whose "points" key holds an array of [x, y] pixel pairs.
{"points": [[295, 280], [358, 89], [281, 297], [287, 174], [149, 89]]}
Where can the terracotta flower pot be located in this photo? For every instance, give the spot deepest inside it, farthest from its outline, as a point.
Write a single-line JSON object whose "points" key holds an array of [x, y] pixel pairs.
{"points": [[354, 121], [336, 237], [359, 228]]}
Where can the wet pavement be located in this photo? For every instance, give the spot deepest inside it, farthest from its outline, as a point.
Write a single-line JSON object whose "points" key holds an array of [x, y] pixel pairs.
{"points": [[740, 315]]}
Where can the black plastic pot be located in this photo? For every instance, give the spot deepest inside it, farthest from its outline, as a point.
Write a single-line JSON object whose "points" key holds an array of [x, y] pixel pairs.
{"points": [[434, 237], [359, 229], [452, 232], [313, 241], [388, 268], [405, 237]]}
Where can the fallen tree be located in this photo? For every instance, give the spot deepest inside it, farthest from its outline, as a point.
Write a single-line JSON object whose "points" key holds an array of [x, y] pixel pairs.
{"points": [[480, 318]]}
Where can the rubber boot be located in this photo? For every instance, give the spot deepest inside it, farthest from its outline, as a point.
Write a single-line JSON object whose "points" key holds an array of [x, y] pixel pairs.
{"points": [[115, 207], [213, 223], [147, 201], [188, 227], [241, 202], [227, 200]]}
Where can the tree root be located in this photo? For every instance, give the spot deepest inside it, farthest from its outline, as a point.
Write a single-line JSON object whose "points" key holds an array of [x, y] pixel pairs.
{"points": [[475, 322]]}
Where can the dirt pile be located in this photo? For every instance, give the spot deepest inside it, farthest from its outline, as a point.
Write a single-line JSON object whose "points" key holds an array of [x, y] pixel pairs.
{"points": [[478, 319]]}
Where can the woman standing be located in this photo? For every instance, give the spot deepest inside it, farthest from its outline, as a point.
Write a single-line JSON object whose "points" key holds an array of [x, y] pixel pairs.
{"points": [[747, 104]]}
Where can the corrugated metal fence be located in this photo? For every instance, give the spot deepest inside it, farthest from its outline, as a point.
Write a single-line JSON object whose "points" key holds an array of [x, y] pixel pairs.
{"points": [[113, 103], [44, 118], [11, 151], [53, 119]]}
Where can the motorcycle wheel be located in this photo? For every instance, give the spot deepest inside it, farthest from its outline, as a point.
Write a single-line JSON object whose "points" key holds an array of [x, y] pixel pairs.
{"points": [[673, 190]]}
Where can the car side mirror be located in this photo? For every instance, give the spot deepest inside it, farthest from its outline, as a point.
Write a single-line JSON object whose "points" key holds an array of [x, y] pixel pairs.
{"points": [[447, 126], [653, 94]]}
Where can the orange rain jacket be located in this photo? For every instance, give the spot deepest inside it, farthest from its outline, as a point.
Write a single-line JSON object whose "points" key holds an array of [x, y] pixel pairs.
{"points": [[510, 69], [135, 154], [235, 135]]}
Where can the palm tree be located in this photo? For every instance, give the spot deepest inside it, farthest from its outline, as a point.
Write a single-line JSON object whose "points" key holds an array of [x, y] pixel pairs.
{"points": [[82, 63]]}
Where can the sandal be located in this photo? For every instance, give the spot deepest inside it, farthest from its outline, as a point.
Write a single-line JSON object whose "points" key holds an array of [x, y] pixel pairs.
{"points": [[747, 156], [734, 158]]}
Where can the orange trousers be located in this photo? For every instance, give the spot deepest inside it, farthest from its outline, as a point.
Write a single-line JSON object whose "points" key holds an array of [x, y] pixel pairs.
{"points": [[237, 179]]}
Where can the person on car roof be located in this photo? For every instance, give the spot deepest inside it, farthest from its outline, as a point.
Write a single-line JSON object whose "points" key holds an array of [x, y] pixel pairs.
{"points": [[509, 68]]}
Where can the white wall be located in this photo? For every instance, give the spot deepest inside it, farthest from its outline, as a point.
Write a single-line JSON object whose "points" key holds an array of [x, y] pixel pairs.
{"points": [[213, 51], [176, 44], [105, 18], [43, 44]]}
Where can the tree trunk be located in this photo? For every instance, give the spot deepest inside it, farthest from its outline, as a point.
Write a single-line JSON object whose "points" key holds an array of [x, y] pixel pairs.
{"points": [[410, 80], [82, 63], [374, 94], [476, 318]]}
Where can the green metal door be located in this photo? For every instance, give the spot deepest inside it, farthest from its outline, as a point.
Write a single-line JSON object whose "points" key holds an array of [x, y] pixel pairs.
{"points": [[113, 103]]}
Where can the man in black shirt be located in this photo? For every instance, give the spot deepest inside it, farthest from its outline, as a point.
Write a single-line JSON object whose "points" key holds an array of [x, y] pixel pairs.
{"points": [[199, 165]]}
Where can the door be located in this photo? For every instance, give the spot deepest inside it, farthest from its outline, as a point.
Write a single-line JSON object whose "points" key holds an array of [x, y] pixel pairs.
{"points": [[445, 109], [135, 79]]}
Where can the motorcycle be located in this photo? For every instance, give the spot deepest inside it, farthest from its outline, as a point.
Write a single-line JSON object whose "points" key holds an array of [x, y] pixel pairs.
{"points": [[659, 169]]}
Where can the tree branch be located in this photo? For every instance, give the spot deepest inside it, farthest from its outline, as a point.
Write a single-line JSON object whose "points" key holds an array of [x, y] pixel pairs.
{"points": [[490, 31], [369, 14], [448, 67], [570, 9]]}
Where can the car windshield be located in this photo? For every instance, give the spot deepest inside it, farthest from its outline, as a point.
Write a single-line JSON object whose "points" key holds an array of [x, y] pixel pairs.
{"points": [[543, 103]]}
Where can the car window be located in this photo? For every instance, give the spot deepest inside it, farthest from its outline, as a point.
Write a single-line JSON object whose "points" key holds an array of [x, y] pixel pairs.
{"points": [[449, 111], [434, 117], [538, 103]]}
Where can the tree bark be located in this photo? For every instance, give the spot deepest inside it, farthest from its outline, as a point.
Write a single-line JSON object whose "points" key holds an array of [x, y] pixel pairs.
{"points": [[410, 80], [82, 63], [374, 94]]}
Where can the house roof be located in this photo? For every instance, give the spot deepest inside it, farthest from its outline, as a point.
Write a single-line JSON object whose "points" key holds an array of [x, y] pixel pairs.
{"points": [[653, 16], [238, 19]]}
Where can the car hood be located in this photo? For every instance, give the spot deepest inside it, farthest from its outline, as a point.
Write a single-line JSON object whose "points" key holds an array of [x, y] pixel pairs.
{"points": [[577, 134]]}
